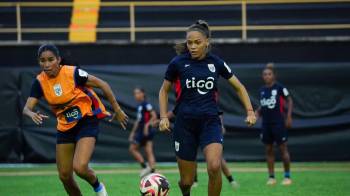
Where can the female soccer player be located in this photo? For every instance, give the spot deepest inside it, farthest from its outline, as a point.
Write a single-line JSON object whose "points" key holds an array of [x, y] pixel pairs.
{"points": [[68, 90], [195, 72], [142, 133], [275, 122]]}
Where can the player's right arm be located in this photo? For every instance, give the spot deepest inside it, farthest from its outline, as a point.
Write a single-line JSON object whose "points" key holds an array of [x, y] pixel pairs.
{"points": [[35, 94], [37, 117], [164, 124]]}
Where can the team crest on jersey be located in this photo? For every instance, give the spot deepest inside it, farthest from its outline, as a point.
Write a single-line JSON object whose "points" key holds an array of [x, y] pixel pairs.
{"points": [[57, 89], [211, 67], [274, 92]]}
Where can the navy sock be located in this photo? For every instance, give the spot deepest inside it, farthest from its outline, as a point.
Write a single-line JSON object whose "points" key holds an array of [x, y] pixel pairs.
{"points": [[153, 170], [143, 165], [96, 185], [287, 174], [196, 178], [230, 178], [271, 175]]}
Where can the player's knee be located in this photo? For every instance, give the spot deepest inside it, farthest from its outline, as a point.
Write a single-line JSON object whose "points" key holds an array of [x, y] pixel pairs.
{"points": [[80, 168], [132, 149], [65, 176], [214, 167]]}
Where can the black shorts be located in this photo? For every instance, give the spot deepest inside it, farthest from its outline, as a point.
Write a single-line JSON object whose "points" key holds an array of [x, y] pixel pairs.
{"points": [[274, 133], [141, 139], [86, 127]]}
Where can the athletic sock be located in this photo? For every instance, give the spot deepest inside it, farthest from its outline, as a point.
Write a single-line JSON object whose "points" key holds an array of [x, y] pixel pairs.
{"points": [[287, 174], [143, 165], [271, 175], [196, 178], [97, 185], [230, 178], [186, 190], [153, 170]]}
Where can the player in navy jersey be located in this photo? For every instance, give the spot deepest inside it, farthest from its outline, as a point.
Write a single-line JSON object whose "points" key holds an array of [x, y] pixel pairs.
{"points": [[195, 73], [275, 121], [142, 133]]}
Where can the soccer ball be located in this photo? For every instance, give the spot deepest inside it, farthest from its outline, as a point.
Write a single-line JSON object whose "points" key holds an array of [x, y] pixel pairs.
{"points": [[154, 185]]}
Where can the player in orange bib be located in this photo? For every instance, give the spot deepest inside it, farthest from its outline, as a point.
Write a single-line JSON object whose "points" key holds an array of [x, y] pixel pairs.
{"points": [[68, 90]]}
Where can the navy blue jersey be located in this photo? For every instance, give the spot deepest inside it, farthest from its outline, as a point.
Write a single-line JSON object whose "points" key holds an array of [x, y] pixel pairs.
{"points": [[195, 83], [272, 102], [144, 113]]}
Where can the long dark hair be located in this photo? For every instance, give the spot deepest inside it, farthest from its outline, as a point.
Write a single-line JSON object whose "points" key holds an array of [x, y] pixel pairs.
{"points": [[201, 26]]}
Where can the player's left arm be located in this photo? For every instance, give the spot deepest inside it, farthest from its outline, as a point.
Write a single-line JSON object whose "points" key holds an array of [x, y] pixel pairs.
{"points": [[244, 97], [119, 114], [289, 113]]}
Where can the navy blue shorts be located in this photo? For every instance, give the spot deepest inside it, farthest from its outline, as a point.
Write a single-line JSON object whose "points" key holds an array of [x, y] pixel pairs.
{"points": [[140, 138], [189, 134], [274, 133], [86, 127]]}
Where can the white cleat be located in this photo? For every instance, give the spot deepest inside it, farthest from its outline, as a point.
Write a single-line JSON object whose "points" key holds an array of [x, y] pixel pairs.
{"points": [[234, 184], [102, 191], [195, 185], [271, 181], [145, 171], [286, 182]]}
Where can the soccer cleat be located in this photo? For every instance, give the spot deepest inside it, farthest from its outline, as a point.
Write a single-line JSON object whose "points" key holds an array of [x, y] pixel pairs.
{"points": [[102, 191], [271, 181], [286, 182], [145, 171], [234, 184]]}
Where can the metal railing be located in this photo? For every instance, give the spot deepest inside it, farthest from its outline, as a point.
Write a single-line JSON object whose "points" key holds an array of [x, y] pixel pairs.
{"points": [[133, 29]]}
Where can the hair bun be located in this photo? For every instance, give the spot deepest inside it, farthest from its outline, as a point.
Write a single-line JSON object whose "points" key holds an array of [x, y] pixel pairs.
{"points": [[270, 65], [203, 23]]}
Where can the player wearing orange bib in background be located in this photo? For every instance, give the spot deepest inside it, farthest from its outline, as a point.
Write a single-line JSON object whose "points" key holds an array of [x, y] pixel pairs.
{"points": [[68, 90]]}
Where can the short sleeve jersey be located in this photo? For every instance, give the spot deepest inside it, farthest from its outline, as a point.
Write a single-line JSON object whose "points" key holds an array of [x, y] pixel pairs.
{"points": [[272, 102], [144, 113], [195, 83]]}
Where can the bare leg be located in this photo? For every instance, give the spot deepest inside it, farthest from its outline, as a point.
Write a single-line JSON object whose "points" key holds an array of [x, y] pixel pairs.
{"points": [[285, 157], [270, 158], [213, 156], [225, 168], [150, 155], [83, 152], [134, 151], [187, 172], [64, 161]]}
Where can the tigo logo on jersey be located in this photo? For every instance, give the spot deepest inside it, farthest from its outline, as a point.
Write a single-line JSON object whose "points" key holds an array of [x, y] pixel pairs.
{"points": [[211, 67], [270, 102], [58, 90], [203, 86]]}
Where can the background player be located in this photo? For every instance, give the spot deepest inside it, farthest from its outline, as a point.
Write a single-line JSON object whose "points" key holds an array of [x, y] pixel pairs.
{"points": [[142, 133], [195, 72], [78, 109], [275, 121]]}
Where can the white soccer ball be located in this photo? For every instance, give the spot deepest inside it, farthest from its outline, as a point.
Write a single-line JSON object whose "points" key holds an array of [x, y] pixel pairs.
{"points": [[154, 185]]}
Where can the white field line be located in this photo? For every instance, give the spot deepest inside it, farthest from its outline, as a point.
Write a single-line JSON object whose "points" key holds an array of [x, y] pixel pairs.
{"points": [[172, 171]]}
